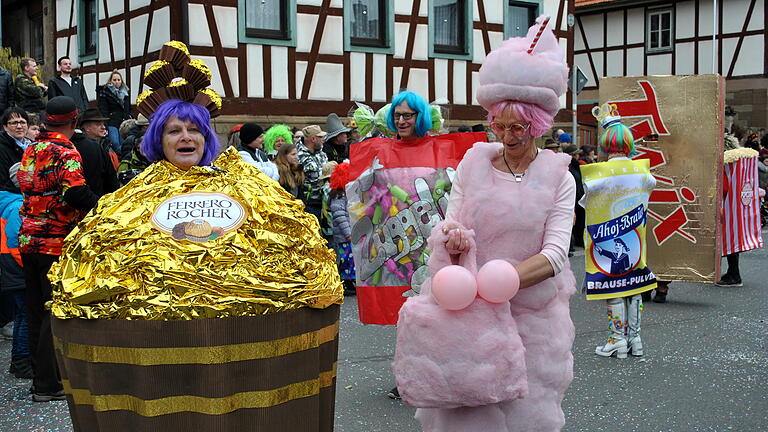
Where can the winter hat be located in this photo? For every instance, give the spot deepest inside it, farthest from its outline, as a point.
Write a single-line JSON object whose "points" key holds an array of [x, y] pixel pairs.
{"points": [[60, 111], [511, 73], [249, 132], [340, 176], [564, 138]]}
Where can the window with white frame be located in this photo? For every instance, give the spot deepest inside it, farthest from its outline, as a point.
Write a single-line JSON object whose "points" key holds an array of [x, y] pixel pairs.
{"points": [[519, 17], [450, 26], [88, 31], [267, 19], [660, 31]]}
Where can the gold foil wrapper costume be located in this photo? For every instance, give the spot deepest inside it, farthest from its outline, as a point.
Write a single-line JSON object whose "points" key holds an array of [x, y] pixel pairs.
{"points": [[117, 265]]}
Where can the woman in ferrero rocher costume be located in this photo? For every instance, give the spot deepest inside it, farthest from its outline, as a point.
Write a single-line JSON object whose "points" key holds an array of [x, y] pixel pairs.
{"points": [[199, 297]]}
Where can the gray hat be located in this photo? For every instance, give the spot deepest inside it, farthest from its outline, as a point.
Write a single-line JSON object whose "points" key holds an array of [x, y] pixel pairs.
{"points": [[334, 126]]}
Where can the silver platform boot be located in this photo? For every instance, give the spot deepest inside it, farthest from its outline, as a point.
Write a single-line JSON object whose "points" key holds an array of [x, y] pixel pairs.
{"points": [[634, 314], [617, 343]]}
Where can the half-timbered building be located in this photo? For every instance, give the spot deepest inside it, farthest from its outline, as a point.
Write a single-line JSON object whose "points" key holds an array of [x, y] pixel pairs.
{"points": [[677, 37], [296, 61]]}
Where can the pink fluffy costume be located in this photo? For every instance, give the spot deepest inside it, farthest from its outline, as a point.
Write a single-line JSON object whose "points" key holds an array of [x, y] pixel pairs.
{"points": [[455, 363]]}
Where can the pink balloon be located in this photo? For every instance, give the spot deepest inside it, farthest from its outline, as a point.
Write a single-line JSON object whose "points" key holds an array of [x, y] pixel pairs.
{"points": [[454, 287], [497, 281]]}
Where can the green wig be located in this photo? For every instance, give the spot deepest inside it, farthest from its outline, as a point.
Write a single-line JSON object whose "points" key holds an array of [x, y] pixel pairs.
{"points": [[617, 138], [270, 136]]}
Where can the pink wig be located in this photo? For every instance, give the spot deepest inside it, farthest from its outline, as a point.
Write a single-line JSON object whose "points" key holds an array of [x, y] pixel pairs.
{"points": [[540, 119]]}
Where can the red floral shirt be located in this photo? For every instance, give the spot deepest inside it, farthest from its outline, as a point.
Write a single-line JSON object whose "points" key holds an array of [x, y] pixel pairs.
{"points": [[49, 168]]}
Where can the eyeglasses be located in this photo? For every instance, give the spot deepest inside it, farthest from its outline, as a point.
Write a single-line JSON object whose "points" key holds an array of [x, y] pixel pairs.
{"points": [[17, 123], [405, 116], [516, 128]]}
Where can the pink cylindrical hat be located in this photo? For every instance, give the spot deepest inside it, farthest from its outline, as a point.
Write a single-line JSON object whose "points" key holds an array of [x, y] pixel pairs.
{"points": [[510, 73]]}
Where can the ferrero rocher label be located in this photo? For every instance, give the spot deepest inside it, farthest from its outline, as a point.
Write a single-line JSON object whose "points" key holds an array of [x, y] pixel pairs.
{"points": [[209, 242]]}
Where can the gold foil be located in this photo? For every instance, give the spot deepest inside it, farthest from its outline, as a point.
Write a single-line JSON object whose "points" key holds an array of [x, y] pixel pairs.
{"points": [[213, 95], [143, 95], [117, 265], [202, 67], [155, 66], [178, 45]]}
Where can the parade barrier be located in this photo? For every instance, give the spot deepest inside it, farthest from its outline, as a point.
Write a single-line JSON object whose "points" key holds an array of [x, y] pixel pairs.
{"points": [[272, 372], [677, 124]]}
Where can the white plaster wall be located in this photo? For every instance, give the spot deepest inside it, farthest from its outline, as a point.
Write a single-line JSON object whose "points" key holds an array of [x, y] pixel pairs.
{"points": [[333, 36], [161, 29], [597, 59], [234, 76], [138, 31], [305, 31], [255, 56], [301, 71], [279, 72], [135, 79], [418, 81], [578, 41], [684, 60], [757, 22], [379, 78], [216, 83], [593, 29], [729, 49], [397, 73], [357, 74], [615, 28], [734, 14], [420, 42], [423, 8], [62, 14], [478, 47], [61, 49], [635, 58], [475, 84], [685, 19], [310, 2], [401, 38], [635, 25], [200, 34], [660, 64], [337, 3], [582, 61], [459, 82], [751, 58], [89, 81], [705, 57], [404, 6], [116, 7], [104, 45], [441, 79], [226, 22], [705, 18], [118, 36], [494, 12], [496, 39], [615, 63], [135, 4]]}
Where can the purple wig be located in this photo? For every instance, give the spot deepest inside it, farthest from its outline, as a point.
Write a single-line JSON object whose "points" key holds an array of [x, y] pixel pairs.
{"points": [[152, 144]]}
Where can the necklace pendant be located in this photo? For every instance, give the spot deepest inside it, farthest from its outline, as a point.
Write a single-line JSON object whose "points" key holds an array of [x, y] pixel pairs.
{"points": [[518, 178]]}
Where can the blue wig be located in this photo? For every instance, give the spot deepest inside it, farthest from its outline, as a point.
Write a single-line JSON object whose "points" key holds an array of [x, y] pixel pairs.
{"points": [[416, 103], [152, 144]]}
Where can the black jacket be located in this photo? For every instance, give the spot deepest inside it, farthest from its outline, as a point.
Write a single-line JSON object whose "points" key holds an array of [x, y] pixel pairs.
{"points": [[99, 173], [10, 153], [110, 106], [131, 141], [6, 89], [60, 87], [257, 154]]}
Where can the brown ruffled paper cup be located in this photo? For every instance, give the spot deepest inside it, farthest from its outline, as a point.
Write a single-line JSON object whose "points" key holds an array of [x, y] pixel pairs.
{"points": [[210, 100], [180, 89], [197, 73], [159, 75], [175, 53], [148, 101]]}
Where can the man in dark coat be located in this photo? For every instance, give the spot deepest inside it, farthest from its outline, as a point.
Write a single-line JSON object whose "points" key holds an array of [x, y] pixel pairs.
{"points": [[67, 85], [98, 169], [6, 89]]}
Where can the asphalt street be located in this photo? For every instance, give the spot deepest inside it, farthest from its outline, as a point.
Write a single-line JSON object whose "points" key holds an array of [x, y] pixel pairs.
{"points": [[705, 368]]}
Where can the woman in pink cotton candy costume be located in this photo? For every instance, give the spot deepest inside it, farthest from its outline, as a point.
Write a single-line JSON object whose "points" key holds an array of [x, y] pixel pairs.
{"points": [[514, 202]]}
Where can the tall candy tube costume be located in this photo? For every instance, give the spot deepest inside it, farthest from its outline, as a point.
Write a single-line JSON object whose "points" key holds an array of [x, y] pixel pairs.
{"points": [[398, 191], [200, 299], [474, 378], [616, 195]]}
